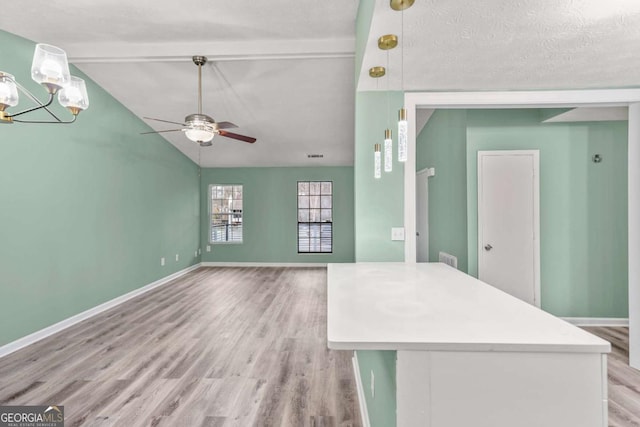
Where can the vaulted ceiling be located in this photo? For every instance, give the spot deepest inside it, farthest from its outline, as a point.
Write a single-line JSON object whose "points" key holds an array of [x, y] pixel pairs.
{"points": [[284, 71]]}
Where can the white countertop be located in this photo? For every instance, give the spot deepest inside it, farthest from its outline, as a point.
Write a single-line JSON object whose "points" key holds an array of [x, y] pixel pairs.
{"points": [[431, 306]]}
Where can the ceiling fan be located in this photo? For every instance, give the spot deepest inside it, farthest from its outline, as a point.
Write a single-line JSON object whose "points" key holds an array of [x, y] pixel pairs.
{"points": [[199, 127]]}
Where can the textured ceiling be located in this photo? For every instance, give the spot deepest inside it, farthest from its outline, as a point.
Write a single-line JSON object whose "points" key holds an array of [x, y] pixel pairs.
{"points": [[508, 44], [283, 71]]}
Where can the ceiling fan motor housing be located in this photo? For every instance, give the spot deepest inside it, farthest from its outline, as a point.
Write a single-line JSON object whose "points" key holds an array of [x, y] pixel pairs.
{"points": [[199, 119]]}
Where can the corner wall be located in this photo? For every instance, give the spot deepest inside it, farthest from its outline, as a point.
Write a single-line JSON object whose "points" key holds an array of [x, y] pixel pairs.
{"points": [[88, 209]]}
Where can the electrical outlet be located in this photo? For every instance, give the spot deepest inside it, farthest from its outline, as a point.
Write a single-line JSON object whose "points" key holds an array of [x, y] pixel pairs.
{"points": [[199, 251], [195, 254], [177, 257], [373, 384], [208, 248], [162, 261]]}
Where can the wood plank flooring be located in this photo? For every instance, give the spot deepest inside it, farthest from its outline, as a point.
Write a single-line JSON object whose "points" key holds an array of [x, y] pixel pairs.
{"points": [[217, 347], [624, 381]]}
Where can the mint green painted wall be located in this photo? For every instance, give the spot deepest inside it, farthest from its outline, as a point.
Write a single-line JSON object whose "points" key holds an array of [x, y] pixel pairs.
{"points": [[382, 406], [87, 209], [378, 208], [378, 202], [583, 206], [442, 144], [270, 214]]}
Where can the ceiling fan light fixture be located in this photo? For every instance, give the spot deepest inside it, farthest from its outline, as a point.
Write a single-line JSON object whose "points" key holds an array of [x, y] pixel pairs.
{"points": [[199, 134]]}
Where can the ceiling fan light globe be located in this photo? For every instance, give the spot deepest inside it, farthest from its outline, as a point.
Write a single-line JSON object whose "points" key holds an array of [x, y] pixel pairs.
{"points": [[199, 135]]}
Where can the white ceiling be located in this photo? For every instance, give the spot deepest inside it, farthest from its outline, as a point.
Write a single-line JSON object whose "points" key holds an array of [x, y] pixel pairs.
{"points": [[461, 45], [283, 71]]}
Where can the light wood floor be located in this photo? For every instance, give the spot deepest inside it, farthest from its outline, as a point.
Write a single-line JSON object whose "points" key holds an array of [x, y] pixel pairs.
{"points": [[624, 381], [218, 347]]}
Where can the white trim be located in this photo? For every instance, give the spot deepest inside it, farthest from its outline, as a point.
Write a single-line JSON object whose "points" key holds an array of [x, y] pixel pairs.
{"points": [[597, 321], [633, 159], [64, 324], [535, 154], [364, 413], [264, 264]]}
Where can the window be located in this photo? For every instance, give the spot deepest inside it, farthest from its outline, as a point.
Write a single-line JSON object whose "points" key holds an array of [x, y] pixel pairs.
{"points": [[315, 217], [226, 213]]}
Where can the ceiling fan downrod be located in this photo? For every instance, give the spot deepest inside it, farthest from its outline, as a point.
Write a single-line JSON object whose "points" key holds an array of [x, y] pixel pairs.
{"points": [[199, 61]]}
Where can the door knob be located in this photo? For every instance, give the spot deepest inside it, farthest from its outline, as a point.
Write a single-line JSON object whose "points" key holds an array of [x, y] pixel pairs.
{"points": [[488, 247]]}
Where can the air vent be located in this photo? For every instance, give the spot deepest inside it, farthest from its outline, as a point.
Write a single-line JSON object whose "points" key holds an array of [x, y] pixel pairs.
{"points": [[448, 259], [315, 156]]}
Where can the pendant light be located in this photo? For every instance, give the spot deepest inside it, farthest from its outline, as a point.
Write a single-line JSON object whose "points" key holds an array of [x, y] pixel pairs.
{"points": [[388, 151], [50, 69], [386, 43], [377, 167], [401, 5], [376, 73]]}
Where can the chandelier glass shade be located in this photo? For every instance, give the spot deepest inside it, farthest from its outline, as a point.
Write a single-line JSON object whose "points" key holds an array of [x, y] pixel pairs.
{"points": [[49, 68]]}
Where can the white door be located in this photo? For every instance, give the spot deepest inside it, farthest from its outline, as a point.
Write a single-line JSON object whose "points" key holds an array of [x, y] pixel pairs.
{"points": [[422, 215], [508, 222]]}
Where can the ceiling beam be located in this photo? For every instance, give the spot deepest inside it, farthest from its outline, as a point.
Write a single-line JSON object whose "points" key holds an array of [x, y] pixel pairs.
{"points": [[216, 51]]}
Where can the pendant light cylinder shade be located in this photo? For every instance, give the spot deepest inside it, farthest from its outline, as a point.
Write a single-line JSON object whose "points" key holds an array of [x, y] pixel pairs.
{"points": [[8, 91], [377, 167], [388, 151], [50, 67], [74, 96], [402, 135]]}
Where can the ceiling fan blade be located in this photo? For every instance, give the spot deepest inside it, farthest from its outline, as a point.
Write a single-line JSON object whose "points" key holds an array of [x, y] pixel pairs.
{"points": [[226, 125], [165, 121], [236, 136], [161, 131]]}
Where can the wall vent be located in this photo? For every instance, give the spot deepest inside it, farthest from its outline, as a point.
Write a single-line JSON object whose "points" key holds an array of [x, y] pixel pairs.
{"points": [[315, 156], [448, 259]]}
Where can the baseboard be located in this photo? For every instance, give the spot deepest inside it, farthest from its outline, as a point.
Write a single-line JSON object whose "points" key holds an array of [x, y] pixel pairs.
{"points": [[64, 324], [364, 414], [597, 321], [264, 264]]}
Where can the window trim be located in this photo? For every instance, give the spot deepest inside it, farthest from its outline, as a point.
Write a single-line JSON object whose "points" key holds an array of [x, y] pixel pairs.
{"points": [[209, 239], [332, 222]]}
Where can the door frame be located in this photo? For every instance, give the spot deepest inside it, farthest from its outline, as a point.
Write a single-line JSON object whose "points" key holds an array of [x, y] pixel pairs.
{"points": [[426, 172], [536, 211]]}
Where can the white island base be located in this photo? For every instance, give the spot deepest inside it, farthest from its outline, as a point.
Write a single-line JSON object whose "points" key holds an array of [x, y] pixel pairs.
{"points": [[468, 355]]}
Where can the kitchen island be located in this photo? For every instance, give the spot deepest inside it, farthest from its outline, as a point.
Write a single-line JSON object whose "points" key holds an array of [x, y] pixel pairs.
{"points": [[468, 354]]}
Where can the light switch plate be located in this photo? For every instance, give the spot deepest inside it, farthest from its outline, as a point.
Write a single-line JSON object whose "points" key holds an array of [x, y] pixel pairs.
{"points": [[162, 261], [397, 233], [208, 248]]}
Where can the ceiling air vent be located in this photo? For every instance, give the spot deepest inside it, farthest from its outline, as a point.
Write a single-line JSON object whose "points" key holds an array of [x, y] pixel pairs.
{"points": [[315, 156]]}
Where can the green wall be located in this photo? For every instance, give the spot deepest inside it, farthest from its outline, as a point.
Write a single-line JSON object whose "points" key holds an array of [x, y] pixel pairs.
{"points": [[88, 209], [379, 207], [583, 205], [379, 202], [270, 214], [442, 145]]}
